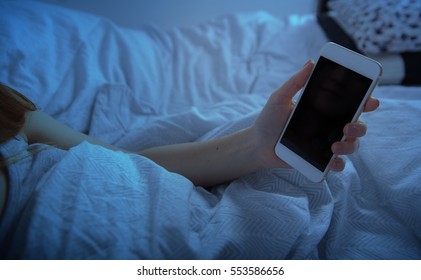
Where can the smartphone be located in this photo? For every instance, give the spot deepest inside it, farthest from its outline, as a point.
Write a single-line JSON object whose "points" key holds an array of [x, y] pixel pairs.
{"points": [[334, 95]]}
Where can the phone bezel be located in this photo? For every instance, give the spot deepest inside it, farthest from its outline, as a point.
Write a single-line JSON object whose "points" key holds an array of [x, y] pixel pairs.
{"points": [[353, 61]]}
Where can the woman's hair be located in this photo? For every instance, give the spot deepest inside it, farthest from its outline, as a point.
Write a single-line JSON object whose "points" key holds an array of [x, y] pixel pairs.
{"points": [[13, 107]]}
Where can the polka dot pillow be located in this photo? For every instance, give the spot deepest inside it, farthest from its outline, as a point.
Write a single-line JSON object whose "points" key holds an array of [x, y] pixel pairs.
{"points": [[381, 26]]}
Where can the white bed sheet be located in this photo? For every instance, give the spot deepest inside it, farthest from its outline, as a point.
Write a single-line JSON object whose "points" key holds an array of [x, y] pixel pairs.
{"points": [[142, 88]]}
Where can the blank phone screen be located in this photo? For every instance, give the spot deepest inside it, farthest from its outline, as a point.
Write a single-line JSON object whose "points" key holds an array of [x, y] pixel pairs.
{"points": [[329, 101]]}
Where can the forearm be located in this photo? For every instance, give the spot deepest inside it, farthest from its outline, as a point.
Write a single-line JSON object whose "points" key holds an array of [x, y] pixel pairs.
{"points": [[41, 128], [204, 163], [209, 163]]}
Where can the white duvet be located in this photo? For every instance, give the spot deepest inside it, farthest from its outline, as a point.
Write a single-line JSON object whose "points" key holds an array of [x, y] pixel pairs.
{"points": [[148, 87]]}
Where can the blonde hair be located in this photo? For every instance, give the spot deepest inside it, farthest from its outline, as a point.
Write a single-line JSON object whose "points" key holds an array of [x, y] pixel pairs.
{"points": [[13, 107]]}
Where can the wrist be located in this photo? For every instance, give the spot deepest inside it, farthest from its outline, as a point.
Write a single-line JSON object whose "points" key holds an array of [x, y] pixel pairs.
{"points": [[262, 149], [254, 149]]}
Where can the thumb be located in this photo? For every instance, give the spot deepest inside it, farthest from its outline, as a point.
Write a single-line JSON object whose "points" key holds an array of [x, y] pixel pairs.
{"points": [[296, 82]]}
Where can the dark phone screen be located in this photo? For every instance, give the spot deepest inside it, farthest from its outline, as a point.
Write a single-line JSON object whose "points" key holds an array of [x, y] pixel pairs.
{"points": [[330, 101]]}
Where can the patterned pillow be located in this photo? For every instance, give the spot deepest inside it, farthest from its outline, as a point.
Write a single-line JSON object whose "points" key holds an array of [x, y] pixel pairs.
{"points": [[381, 26]]}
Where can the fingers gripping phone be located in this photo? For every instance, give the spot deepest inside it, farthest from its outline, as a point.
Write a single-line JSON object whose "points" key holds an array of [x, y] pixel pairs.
{"points": [[334, 95]]}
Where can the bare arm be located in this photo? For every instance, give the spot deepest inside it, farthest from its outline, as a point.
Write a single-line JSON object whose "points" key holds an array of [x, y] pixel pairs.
{"points": [[219, 160], [204, 163], [42, 128], [212, 162]]}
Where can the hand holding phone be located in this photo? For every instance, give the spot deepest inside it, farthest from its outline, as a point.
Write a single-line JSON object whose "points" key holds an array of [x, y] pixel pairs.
{"points": [[334, 95]]}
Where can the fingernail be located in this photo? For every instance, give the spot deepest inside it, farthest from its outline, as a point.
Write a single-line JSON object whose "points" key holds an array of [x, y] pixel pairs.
{"points": [[310, 61]]}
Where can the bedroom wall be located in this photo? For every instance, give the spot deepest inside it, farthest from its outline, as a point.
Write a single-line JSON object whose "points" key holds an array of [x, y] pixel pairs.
{"points": [[169, 13]]}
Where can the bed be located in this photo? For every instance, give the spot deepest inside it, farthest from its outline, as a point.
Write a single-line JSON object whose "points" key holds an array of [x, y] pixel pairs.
{"points": [[148, 87]]}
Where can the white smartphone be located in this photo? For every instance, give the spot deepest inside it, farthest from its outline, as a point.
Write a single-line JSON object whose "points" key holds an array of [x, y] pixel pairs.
{"points": [[334, 95]]}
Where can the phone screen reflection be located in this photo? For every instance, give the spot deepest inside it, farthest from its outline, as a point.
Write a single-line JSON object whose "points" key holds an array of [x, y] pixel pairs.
{"points": [[329, 101]]}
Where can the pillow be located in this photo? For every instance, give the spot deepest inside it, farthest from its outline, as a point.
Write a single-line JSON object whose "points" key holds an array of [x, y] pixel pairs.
{"points": [[401, 61], [381, 26]]}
